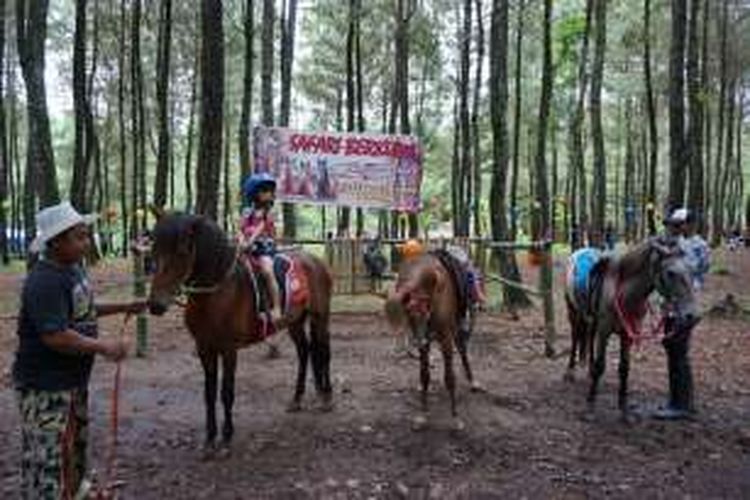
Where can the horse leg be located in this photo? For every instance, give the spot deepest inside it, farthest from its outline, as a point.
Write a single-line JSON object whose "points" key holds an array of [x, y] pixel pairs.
{"points": [[229, 365], [320, 352], [462, 348], [424, 372], [598, 365], [575, 326], [624, 371], [448, 374], [209, 361], [297, 332]]}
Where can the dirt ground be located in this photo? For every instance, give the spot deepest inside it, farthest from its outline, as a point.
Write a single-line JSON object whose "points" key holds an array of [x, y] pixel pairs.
{"points": [[524, 437]]}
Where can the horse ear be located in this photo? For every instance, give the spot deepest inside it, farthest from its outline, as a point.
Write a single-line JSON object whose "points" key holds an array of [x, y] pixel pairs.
{"points": [[157, 211]]}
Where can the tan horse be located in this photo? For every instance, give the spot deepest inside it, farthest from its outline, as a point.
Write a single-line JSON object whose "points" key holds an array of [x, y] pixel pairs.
{"points": [[192, 253], [430, 299]]}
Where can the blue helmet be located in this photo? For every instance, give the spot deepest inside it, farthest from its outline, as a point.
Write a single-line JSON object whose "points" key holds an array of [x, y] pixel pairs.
{"points": [[257, 182]]}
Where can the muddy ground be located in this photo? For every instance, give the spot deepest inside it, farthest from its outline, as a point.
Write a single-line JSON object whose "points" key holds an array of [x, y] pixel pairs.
{"points": [[524, 437]]}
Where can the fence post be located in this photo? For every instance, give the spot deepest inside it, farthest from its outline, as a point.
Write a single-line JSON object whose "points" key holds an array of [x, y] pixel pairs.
{"points": [[546, 282], [139, 272]]}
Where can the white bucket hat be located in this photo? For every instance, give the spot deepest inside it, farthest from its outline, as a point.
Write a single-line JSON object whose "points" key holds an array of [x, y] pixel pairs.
{"points": [[55, 220]]}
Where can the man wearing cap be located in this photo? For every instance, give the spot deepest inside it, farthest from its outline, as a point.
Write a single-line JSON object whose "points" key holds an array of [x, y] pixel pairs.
{"points": [[58, 339], [679, 224]]}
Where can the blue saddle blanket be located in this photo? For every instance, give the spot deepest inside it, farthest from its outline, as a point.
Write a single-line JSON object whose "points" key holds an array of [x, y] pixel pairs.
{"points": [[581, 263]]}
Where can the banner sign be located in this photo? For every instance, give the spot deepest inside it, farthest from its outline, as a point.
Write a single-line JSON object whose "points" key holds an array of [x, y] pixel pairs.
{"points": [[358, 170]]}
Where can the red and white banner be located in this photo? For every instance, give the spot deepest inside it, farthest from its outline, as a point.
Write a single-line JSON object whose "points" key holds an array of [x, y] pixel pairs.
{"points": [[358, 170]]}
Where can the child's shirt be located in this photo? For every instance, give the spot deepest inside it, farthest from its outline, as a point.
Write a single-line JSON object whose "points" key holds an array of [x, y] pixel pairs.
{"points": [[264, 243], [55, 298]]}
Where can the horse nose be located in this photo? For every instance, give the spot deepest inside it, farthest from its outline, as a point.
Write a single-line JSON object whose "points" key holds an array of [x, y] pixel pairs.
{"points": [[156, 308]]}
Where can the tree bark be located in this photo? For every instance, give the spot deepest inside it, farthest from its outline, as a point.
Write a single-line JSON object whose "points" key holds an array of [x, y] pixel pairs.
{"points": [[577, 159], [498, 91], [266, 68], [651, 109], [31, 33], [464, 187], [162, 93], [81, 108], [706, 114], [212, 107], [121, 128], [677, 157], [287, 59], [718, 209], [477, 174], [4, 157], [541, 195], [517, 123], [138, 130], [247, 89], [599, 193], [695, 109], [191, 135]]}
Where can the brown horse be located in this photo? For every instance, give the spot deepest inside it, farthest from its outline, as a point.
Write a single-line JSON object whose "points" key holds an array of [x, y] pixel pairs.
{"points": [[431, 298], [194, 255], [616, 302]]}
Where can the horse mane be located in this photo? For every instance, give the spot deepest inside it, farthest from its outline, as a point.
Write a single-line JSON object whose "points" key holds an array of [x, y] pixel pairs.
{"points": [[634, 261], [214, 252]]}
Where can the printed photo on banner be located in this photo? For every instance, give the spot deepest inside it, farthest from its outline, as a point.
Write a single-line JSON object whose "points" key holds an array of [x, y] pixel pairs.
{"points": [[362, 170]]}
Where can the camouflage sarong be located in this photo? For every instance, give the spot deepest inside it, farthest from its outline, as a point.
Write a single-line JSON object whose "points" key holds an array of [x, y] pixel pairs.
{"points": [[54, 427]]}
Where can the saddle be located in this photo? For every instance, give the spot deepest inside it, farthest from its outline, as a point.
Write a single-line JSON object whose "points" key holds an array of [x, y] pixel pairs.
{"points": [[294, 291]]}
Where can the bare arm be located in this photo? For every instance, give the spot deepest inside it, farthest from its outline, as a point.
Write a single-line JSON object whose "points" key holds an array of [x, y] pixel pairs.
{"points": [[70, 341], [134, 307]]}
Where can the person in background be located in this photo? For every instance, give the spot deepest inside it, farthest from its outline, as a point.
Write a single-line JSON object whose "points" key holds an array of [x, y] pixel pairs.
{"points": [[58, 339]]}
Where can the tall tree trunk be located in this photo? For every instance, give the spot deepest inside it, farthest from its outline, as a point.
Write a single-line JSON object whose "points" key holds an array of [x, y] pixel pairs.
{"points": [[137, 114], [162, 92], [289, 24], [599, 193], [31, 33], [344, 220], [266, 68], [212, 107], [541, 194], [477, 175], [517, 123], [227, 195], [576, 149], [463, 116], [190, 135], [718, 209], [677, 156], [722, 199], [695, 109], [247, 89], [359, 95], [498, 90], [630, 176], [706, 114], [4, 157], [121, 128], [651, 108], [81, 107]]}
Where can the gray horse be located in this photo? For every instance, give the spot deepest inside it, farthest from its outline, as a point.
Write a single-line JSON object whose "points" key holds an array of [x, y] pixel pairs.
{"points": [[615, 301]]}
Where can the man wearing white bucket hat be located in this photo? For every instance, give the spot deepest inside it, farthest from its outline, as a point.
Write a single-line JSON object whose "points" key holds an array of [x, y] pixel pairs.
{"points": [[58, 339]]}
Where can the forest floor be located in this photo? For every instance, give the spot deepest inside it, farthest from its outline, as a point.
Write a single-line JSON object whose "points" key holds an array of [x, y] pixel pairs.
{"points": [[524, 437]]}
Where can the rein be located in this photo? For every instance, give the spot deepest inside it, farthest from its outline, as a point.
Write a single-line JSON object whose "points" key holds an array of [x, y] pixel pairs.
{"points": [[630, 322]]}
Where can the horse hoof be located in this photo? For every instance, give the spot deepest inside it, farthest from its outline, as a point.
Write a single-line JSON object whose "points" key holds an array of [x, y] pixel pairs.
{"points": [[273, 352], [209, 451], [419, 423], [224, 451], [294, 407], [326, 404], [476, 387]]}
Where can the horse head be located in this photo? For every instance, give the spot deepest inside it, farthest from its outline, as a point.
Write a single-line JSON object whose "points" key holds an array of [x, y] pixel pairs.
{"points": [[174, 254], [672, 279]]}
